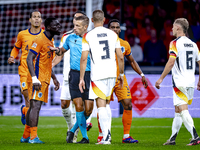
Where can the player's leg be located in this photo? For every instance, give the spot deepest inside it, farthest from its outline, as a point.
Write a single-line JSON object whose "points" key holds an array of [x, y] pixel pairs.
{"points": [[88, 111], [81, 119], [65, 103], [25, 92], [103, 119], [127, 121]]}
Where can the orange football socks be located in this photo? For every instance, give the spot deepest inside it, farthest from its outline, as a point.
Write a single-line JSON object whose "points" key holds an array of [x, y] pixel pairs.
{"points": [[27, 132], [127, 120], [33, 132]]}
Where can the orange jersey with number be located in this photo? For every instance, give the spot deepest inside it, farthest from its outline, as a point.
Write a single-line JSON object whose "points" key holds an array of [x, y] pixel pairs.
{"points": [[43, 62], [126, 50], [24, 41]]}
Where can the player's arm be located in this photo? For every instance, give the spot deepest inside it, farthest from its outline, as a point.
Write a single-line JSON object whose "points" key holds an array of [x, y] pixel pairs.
{"points": [[55, 81], [120, 59], [35, 81], [83, 63], [56, 60], [58, 51], [15, 50], [167, 69], [137, 69]]}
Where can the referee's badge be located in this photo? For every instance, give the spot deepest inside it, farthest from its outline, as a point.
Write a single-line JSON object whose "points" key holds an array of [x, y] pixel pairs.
{"points": [[40, 94]]}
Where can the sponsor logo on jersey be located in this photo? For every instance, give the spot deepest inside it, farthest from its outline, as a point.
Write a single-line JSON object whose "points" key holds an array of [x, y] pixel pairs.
{"points": [[34, 45]]}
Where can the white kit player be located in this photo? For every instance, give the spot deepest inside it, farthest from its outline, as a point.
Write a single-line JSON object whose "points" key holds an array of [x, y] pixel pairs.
{"points": [[184, 54], [102, 44]]}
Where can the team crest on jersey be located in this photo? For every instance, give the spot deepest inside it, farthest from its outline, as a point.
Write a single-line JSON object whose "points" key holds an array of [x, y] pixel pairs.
{"points": [[40, 94], [123, 49], [34, 45], [23, 84]]}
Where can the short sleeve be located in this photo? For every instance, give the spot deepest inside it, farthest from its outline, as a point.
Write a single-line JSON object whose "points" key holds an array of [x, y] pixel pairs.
{"points": [[117, 44], [18, 43], [36, 46], [172, 49], [66, 43], [85, 44]]}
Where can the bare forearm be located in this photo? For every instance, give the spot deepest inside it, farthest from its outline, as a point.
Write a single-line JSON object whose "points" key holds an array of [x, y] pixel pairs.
{"points": [[56, 60], [135, 67], [121, 65], [30, 65], [53, 76], [167, 69]]}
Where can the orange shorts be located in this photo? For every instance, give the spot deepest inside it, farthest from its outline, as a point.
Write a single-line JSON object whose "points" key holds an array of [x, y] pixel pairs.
{"points": [[122, 93], [41, 95], [24, 84]]}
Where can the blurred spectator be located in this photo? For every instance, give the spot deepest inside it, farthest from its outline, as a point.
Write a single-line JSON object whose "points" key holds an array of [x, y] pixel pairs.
{"points": [[155, 52], [143, 10], [145, 31], [136, 50]]}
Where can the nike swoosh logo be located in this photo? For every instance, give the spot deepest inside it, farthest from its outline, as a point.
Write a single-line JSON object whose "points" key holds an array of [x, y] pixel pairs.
{"points": [[26, 41]]}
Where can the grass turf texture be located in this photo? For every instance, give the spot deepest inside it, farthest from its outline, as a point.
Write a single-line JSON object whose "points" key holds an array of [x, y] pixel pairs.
{"points": [[150, 132]]}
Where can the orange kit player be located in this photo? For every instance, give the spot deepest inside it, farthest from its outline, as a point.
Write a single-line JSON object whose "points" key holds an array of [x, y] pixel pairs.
{"points": [[41, 75], [123, 94], [24, 41]]}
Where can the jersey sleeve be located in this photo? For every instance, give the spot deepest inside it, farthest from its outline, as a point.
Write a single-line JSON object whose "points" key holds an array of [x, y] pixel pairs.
{"points": [[127, 49], [14, 52], [117, 44], [18, 43], [66, 43], [36, 46], [172, 49], [63, 39], [85, 44], [198, 53]]}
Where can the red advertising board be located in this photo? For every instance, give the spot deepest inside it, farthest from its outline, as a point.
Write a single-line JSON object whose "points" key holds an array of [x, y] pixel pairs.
{"points": [[142, 98]]}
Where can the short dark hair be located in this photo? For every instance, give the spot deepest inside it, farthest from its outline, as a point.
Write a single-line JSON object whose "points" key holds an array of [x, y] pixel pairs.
{"points": [[85, 19], [79, 11], [113, 20], [48, 21], [30, 15]]}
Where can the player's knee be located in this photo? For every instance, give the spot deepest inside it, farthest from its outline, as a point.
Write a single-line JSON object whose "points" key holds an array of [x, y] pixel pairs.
{"points": [[25, 94], [128, 106], [65, 104]]}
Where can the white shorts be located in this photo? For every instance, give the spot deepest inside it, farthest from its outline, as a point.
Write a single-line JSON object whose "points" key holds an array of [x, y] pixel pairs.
{"points": [[102, 88], [182, 95], [65, 94]]}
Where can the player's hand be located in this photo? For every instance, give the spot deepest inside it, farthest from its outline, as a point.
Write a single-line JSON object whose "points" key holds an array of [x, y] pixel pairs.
{"points": [[57, 50], [158, 82], [57, 84], [121, 81], [144, 82], [82, 85], [36, 83], [11, 60], [198, 86]]}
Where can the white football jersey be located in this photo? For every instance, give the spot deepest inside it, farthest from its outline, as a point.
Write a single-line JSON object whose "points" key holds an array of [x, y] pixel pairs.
{"points": [[66, 61], [186, 53], [101, 43]]}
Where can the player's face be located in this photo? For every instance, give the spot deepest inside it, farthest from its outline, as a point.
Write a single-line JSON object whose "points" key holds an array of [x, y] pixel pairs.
{"points": [[79, 27], [36, 19], [55, 27], [115, 27]]}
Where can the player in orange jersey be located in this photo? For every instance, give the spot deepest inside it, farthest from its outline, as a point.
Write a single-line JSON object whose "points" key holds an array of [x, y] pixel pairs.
{"points": [[41, 75], [24, 41], [123, 94]]}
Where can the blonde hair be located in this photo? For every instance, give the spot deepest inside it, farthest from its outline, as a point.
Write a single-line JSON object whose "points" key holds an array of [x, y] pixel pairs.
{"points": [[98, 15], [183, 23]]}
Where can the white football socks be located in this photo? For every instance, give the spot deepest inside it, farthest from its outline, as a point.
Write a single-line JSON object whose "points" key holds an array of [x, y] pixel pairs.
{"points": [[176, 125], [109, 116], [103, 121], [73, 113], [67, 115], [188, 121]]}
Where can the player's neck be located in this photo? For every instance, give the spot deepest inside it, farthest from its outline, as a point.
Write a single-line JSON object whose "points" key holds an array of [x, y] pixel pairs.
{"points": [[98, 25], [35, 30], [180, 34]]}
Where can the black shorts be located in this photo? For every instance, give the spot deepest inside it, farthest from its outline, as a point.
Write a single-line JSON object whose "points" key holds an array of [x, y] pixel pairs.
{"points": [[74, 78]]}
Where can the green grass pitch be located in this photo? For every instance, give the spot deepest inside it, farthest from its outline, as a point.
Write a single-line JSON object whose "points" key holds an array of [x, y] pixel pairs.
{"points": [[151, 133]]}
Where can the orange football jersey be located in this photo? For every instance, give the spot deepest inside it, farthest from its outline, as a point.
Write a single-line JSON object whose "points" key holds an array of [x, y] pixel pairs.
{"points": [[24, 41], [126, 50], [43, 62]]}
